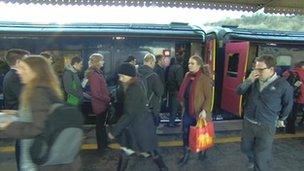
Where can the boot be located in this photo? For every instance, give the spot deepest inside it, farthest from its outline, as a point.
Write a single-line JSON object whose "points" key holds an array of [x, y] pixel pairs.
{"points": [[122, 162], [182, 161], [158, 160], [202, 155]]}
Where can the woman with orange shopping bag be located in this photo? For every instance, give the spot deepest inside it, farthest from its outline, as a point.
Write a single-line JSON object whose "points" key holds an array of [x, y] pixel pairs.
{"points": [[195, 96]]}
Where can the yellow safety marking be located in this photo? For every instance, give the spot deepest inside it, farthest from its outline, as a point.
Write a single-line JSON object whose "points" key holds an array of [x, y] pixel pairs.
{"points": [[177, 143]]}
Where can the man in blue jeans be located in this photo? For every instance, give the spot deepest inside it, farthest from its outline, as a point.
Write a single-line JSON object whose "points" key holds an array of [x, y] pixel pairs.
{"points": [[269, 101]]}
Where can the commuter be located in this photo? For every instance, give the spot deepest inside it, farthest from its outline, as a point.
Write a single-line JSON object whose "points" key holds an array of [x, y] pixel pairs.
{"points": [[174, 78], [71, 82], [195, 95], [131, 60], [12, 88], [100, 98], [47, 56], [135, 129], [268, 104], [297, 81], [41, 90], [155, 88], [159, 68]]}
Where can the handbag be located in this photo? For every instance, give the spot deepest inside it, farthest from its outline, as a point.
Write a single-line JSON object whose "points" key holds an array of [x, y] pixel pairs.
{"points": [[201, 136]]}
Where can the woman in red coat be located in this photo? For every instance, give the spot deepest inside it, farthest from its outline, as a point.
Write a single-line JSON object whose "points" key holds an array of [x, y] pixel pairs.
{"points": [[100, 97]]}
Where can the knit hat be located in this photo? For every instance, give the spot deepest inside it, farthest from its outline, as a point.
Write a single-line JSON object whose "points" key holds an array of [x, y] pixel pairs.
{"points": [[127, 69]]}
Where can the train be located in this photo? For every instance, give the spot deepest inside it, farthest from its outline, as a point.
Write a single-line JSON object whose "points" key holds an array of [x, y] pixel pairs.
{"points": [[228, 50]]}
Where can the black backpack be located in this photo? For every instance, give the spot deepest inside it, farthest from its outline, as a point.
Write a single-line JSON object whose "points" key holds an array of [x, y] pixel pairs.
{"points": [[294, 80], [143, 79], [61, 137]]}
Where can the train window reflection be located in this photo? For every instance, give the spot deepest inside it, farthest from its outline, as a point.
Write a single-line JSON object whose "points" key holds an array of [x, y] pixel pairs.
{"points": [[233, 65]]}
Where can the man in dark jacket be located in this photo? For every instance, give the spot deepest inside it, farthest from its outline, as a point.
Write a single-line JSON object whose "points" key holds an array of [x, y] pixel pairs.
{"points": [[159, 68], [155, 88], [174, 78], [269, 101], [12, 87], [71, 82]]}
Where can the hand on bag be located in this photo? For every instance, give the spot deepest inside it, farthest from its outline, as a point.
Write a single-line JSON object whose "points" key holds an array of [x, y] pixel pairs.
{"points": [[203, 114], [280, 124], [110, 136]]}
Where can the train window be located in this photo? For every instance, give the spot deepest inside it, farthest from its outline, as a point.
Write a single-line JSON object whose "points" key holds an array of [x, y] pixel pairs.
{"points": [[284, 60], [233, 65]]}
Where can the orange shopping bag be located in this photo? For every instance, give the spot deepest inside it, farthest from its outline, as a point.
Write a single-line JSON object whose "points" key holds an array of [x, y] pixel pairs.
{"points": [[201, 136]]}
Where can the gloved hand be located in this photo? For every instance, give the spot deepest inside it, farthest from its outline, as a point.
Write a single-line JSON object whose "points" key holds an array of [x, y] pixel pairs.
{"points": [[280, 124]]}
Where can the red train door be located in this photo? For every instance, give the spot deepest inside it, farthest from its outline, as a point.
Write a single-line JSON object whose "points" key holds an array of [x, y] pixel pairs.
{"points": [[236, 56], [210, 60]]}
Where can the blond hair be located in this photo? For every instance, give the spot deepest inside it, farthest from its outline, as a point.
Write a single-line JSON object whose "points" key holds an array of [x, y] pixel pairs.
{"points": [[94, 60], [44, 76], [149, 58]]}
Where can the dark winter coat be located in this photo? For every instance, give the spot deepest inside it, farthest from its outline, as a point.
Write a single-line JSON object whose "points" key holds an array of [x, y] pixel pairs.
{"points": [[267, 106], [99, 92], [135, 129], [11, 90], [174, 77], [160, 71], [70, 75], [155, 87]]}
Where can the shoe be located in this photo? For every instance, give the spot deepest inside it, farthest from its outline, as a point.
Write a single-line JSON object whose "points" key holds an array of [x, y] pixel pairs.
{"points": [[184, 160], [202, 155], [158, 160], [250, 165]]}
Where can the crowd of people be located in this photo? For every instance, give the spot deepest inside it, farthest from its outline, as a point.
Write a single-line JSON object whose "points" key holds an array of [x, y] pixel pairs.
{"points": [[31, 86]]}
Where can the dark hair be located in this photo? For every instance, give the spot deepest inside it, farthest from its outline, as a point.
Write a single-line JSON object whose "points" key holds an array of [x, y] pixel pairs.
{"points": [[46, 55], [269, 60], [15, 54], [159, 57], [130, 58], [299, 64], [172, 61], [76, 59]]}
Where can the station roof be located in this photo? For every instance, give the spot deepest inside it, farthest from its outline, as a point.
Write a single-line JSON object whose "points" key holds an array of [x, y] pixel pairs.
{"points": [[174, 30], [270, 6]]}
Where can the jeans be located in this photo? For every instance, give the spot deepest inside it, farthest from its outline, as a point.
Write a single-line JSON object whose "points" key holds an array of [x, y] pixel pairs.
{"points": [[256, 143], [188, 121]]}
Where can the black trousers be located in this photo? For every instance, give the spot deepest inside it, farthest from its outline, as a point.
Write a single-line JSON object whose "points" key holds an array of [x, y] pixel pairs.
{"points": [[291, 120], [100, 130], [256, 143], [17, 153]]}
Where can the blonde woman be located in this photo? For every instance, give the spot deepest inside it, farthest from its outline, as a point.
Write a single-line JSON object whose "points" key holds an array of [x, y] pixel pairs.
{"points": [[100, 97], [40, 91], [195, 95]]}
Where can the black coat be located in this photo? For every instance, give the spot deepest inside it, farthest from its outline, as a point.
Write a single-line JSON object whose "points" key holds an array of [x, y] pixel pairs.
{"points": [[135, 128], [174, 77], [11, 89], [155, 86]]}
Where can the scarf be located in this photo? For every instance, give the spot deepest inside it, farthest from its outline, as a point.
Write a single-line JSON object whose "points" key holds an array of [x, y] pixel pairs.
{"points": [[194, 77]]}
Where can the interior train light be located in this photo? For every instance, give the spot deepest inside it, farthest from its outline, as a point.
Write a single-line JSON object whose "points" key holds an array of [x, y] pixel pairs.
{"points": [[167, 53]]}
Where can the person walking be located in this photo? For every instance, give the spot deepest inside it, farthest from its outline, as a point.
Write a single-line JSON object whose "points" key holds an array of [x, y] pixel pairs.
{"points": [[100, 98], [135, 129], [269, 102], [12, 88], [195, 96], [41, 90]]}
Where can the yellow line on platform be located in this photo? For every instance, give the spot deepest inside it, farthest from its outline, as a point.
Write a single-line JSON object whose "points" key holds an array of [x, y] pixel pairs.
{"points": [[176, 143]]}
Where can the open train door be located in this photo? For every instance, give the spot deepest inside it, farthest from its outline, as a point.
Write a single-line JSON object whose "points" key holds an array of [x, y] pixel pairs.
{"points": [[236, 56]]}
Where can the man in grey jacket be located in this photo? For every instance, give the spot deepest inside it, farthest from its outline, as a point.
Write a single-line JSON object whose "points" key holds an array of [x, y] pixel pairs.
{"points": [[71, 82], [269, 101]]}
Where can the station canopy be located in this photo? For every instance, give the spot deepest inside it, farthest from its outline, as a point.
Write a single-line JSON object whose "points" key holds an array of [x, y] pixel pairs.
{"points": [[270, 6]]}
